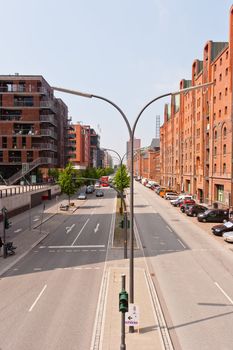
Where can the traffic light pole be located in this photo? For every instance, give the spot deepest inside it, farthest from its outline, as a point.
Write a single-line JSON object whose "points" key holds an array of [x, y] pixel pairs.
{"points": [[4, 232], [123, 345]]}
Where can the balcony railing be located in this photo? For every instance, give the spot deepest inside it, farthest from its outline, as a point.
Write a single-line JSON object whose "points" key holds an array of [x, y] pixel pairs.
{"points": [[48, 119], [47, 132], [22, 89]]}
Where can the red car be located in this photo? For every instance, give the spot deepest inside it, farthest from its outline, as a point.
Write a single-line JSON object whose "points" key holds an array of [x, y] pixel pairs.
{"points": [[186, 201]]}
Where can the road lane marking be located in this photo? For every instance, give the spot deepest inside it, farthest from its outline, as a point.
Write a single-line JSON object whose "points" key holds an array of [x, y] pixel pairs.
{"points": [[169, 228], [45, 286], [181, 243], [75, 246], [18, 230], [97, 228], [80, 232], [69, 228], [223, 292]]}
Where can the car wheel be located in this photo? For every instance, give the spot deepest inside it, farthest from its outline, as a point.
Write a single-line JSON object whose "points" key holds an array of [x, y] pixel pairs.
{"points": [[204, 220], [194, 214]]}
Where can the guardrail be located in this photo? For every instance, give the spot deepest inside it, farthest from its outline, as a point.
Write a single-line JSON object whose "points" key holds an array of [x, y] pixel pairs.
{"points": [[8, 192]]}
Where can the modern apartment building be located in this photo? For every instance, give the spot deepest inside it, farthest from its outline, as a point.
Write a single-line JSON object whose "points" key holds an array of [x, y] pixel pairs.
{"points": [[196, 137], [83, 146], [33, 127]]}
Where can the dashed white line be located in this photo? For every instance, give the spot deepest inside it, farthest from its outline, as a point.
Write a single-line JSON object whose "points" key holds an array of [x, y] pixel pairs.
{"points": [[223, 292], [45, 286], [181, 243], [18, 230]]}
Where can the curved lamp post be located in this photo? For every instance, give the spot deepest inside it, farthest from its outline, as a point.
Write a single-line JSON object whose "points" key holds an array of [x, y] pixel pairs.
{"points": [[131, 131]]}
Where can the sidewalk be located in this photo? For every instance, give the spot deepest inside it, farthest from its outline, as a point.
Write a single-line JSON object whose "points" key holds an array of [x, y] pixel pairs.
{"points": [[148, 335]]}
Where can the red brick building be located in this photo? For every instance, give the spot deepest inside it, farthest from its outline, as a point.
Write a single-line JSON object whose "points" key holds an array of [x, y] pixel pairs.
{"points": [[33, 127], [196, 137], [147, 162]]}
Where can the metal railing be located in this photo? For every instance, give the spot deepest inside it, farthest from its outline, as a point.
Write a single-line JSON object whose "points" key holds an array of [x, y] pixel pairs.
{"points": [[8, 192], [23, 89], [30, 166], [48, 119], [47, 132]]}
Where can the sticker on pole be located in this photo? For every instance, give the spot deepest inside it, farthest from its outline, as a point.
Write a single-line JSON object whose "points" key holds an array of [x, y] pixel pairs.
{"points": [[132, 316]]}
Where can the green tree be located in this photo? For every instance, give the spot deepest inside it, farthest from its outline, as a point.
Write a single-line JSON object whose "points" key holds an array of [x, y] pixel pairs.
{"points": [[68, 181], [54, 172], [121, 179]]}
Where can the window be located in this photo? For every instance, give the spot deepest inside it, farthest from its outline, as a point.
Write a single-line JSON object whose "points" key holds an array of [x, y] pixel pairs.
{"points": [[220, 193], [226, 71], [215, 135], [220, 77], [226, 55], [226, 91], [224, 168], [4, 142], [198, 132], [214, 116], [215, 151], [224, 149], [214, 99], [220, 96], [224, 131], [220, 61], [215, 168], [215, 67], [214, 82], [225, 110], [219, 113]]}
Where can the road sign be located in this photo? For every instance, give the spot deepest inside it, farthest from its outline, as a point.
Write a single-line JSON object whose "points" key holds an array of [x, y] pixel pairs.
{"points": [[132, 316]]}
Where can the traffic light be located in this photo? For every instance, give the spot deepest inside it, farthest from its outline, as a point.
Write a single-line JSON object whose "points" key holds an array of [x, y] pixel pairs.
{"points": [[123, 301], [7, 223]]}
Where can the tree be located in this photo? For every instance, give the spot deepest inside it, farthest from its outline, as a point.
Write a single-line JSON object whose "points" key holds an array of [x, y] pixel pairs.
{"points": [[54, 173], [121, 179], [68, 180]]}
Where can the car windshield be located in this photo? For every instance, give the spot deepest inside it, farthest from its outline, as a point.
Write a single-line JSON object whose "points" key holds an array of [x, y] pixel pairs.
{"points": [[228, 224]]}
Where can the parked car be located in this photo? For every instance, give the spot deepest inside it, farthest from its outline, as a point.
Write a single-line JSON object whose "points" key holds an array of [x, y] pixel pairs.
{"points": [[218, 230], [179, 200], [97, 184], [90, 189], [214, 215], [99, 193], [82, 195], [164, 191], [228, 236], [171, 195], [160, 189], [186, 204], [64, 207], [195, 209]]}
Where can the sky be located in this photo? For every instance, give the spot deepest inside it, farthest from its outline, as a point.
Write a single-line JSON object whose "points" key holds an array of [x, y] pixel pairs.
{"points": [[128, 51]]}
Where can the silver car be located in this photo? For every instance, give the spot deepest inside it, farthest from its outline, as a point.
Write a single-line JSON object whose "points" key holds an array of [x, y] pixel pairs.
{"points": [[171, 195], [228, 236], [82, 195]]}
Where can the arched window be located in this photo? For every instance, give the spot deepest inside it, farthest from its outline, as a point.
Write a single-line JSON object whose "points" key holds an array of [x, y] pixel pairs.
{"points": [[215, 151], [215, 168], [215, 134]]}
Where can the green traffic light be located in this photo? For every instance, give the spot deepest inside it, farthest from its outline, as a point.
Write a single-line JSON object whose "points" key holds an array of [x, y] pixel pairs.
{"points": [[123, 301]]}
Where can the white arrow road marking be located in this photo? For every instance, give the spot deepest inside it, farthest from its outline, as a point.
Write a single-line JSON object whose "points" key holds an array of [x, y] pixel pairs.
{"points": [[36, 219], [69, 228], [18, 230], [37, 298], [97, 228]]}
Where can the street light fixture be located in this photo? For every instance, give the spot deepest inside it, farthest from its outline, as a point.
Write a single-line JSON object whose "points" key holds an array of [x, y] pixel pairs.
{"points": [[131, 131]]}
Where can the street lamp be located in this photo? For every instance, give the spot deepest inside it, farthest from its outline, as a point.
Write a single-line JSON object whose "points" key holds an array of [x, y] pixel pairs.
{"points": [[131, 131]]}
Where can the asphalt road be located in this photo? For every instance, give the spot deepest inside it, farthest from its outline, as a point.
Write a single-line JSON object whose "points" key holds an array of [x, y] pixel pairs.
{"points": [[192, 272], [49, 298]]}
